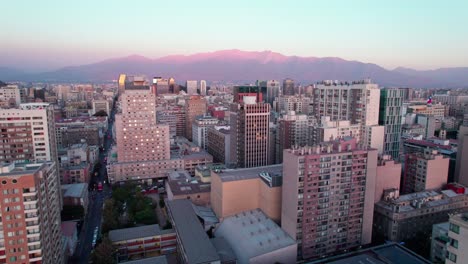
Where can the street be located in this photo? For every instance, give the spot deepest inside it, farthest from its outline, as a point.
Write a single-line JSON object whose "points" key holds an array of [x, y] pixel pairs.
{"points": [[96, 200]]}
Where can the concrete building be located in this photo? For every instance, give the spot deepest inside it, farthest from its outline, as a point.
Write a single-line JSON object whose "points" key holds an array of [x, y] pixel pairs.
{"points": [[30, 219], [10, 95], [139, 138], [313, 179], [183, 186], [175, 119], [296, 103], [240, 91], [390, 111], [424, 171], [69, 239], [461, 167], [28, 134], [239, 190], [328, 130], [200, 127], [101, 105], [388, 176], [273, 88], [193, 244], [75, 195], [436, 110], [192, 87], [142, 241], [458, 239], [293, 131], [389, 253], [439, 242], [219, 144], [250, 133], [400, 218], [203, 88], [194, 106], [255, 238], [288, 87]]}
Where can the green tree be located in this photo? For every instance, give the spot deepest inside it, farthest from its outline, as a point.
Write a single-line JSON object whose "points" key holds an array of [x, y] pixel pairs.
{"points": [[104, 252], [110, 216]]}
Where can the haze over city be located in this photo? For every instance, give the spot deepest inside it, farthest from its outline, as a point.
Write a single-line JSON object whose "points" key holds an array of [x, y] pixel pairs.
{"points": [[46, 35], [234, 132]]}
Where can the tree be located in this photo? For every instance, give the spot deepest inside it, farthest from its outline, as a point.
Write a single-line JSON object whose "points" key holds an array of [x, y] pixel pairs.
{"points": [[168, 225], [110, 216], [100, 113], [72, 212], [104, 252], [162, 204]]}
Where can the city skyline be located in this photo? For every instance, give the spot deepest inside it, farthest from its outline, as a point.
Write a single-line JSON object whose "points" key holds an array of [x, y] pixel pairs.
{"points": [[363, 31]]}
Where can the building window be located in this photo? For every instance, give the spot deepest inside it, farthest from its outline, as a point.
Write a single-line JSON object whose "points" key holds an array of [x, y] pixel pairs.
{"points": [[454, 243], [452, 257], [454, 228]]}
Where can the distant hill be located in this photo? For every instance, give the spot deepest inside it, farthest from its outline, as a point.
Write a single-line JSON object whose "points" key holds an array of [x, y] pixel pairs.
{"points": [[237, 65]]}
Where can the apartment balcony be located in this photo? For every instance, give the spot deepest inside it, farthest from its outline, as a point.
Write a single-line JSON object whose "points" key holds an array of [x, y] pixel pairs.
{"points": [[37, 259], [29, 194]]}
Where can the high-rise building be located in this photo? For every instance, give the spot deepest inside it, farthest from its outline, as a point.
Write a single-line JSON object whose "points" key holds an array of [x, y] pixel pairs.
{"points": [[299, 104], [328, 196], [160, 86], [200, 130], [28, 134], [241, 91], [194, 106], [219, 144], [250, 133], [273, 88], [192, 87], [139, 138], [10, 95], [458, 239], [425, 171], [293, 131], [388, 176], [391, 101], [288, 87], [203, 87], [30, 217], [461, 166]]}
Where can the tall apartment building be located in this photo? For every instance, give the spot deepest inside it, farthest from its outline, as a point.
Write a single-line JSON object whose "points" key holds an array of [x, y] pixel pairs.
{"points": [[194, 106], [30, 217], [10, 95], [250, 133], [299, 104], [192, 87], [240, 91], [461, 166], [173, 117], [288, 87], [388, 176], [425, 171], [28, 134], [458, 239], [357, 102], [273, 88], [328, 196], [139, 138], [391, 101], [219, 144], [199, 130], [203, 87], [293, 131]]}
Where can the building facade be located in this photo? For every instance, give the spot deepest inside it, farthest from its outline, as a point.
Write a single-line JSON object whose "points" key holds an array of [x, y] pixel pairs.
{"points": [[194, 106], [458, 239], [391, 101]]}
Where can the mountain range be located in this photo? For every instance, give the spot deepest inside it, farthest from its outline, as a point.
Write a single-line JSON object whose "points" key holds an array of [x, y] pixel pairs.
{"points": [[237, 65]]}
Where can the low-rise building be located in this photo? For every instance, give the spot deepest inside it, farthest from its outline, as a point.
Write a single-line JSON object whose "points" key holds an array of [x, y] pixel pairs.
{"points": [[146, 241], [180, 185], [400, 218], [255, 238], [239, 190], [75, 195]]}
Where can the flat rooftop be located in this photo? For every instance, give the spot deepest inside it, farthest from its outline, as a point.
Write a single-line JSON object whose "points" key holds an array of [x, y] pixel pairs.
{"points": [[249, 173], [14, 169], [137, 232], [258, 233], [385, 254], [74, 190], [181, 187]]}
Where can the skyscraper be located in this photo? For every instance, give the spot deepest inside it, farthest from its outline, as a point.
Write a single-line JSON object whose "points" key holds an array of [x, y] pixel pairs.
{"points": [[461, 166], [288, 87], [273, 91], [30, 217], [391, 101], [139, 138], [192, 87], [194, 106], [203, 87], [293, 131], [246, 90], [250, 133], [28, 134], [328, 196]]}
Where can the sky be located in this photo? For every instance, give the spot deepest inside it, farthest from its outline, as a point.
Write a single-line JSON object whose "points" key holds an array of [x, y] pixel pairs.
{"points": [[49, 34]]}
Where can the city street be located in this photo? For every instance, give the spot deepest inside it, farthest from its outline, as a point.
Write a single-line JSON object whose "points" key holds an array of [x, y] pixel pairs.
{"points": [[96, 200]]}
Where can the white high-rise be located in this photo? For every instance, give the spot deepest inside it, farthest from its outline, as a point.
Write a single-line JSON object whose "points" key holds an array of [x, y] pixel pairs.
{"points": [[203, 87], [192, 87]]}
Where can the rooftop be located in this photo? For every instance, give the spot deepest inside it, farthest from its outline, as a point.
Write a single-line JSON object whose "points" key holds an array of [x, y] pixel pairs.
{"points": [[186, 186], [224, 250], [154, 260], [74, 190], [258, 233], [391, 253], [193, 237], [249, 173], [137, 232], [12, 169]]}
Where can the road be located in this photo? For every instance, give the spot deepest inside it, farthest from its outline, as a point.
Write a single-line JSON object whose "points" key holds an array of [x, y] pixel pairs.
{"points": [[96, 200]]}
